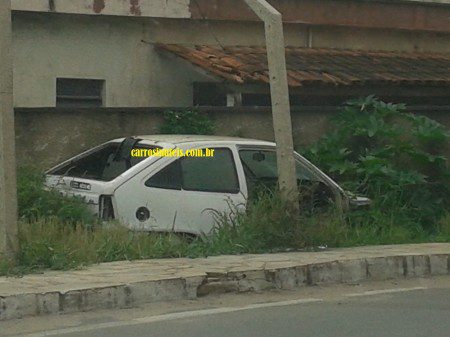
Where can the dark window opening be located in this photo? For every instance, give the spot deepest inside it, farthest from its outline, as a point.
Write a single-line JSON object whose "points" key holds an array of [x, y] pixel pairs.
{"points": [[204, 174], [206, 94], [106, 208], [74, 92], [210, 174], [294, 100], [261, 173], [102, 164], [215, 94], [168, 178], [256, 100], [262, 164]]}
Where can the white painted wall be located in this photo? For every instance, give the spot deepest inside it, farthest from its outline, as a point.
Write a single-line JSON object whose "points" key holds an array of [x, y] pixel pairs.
{"points": [[120, 51], [47, 46]]}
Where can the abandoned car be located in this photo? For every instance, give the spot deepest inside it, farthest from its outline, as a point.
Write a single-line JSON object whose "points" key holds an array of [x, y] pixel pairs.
{"points": [[179, 194]]}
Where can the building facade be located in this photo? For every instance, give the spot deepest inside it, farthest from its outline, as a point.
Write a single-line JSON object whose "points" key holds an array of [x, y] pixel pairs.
{"points": [[102, 53], [87, 71]]}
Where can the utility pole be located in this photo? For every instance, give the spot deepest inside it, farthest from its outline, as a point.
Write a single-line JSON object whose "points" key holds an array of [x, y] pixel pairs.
{"points": [[8, 192], [279, 92]]}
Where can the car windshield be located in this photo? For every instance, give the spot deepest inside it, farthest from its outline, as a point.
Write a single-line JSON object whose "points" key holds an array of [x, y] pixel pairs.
{"points": [[105, 163]]}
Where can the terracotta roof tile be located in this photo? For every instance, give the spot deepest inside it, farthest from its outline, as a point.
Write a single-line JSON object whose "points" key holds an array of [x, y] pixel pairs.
{"points": [[319, 65]]}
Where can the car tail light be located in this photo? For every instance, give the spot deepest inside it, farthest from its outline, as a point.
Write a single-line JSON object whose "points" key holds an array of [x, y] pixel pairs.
{"points": [[106, 209]]}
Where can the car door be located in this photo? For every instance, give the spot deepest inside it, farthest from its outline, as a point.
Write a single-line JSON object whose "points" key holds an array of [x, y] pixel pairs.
{"points": [[146, 207], [208, 185], [260, 167], [183, 194]]}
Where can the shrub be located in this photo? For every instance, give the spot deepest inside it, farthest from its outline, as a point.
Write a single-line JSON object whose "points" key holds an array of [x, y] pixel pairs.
{"points": [[394, 157], [34, 202], [187, 122]]}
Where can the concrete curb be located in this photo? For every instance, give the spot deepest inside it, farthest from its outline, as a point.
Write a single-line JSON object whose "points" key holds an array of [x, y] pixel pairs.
{"points": [[334, 272], [127, 295]]}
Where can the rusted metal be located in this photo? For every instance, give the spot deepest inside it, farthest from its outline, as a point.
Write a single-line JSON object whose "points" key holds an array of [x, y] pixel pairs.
{"points": [[135, 8], [319, 65], [98, 6], [352, 13]]}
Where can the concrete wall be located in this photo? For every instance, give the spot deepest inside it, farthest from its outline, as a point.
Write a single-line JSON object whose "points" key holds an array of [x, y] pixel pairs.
{"points": [[120, 51], [151, 8], [375, 39], [47, 46], [45, 137]]}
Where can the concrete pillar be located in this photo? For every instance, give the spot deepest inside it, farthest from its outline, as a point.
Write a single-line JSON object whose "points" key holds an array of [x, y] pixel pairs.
{"points": [[8, 193], [279, 92], [234, 99]]}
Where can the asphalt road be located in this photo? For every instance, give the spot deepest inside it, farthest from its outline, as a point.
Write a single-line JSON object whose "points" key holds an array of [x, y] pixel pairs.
{"points": [[409, 312]]}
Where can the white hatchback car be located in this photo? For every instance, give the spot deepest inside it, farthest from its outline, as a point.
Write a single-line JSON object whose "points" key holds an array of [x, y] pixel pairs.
{"points": [[178, 194]]}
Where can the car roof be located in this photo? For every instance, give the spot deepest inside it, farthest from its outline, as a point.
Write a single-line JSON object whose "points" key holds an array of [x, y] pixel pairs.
{"points": [[183, 139]]}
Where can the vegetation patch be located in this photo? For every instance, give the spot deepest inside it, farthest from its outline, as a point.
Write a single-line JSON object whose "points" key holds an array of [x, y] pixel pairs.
{"points": [[36, 203], [188, 122], [375, 149], [396, 158]]}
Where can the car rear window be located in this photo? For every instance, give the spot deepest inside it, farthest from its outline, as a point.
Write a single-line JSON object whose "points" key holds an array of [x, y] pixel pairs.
{"points": [[101, 164]]}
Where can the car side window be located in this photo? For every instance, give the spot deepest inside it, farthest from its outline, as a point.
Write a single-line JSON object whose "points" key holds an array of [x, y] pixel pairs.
{"points": [[262, 164], [260, 168], [169, 177], [210, 174], [207, 174]]}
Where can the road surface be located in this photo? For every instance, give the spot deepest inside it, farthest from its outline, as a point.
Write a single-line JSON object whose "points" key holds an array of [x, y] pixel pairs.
{"points": [[406, 308]]}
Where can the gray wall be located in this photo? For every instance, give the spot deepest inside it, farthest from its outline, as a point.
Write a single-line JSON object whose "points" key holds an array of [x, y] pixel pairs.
{"points": [[120, 51], [45, 137], [112, 49]]}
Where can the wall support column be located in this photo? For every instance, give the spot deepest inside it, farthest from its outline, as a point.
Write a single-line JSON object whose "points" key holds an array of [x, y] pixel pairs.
{"points": [[8, 192]]}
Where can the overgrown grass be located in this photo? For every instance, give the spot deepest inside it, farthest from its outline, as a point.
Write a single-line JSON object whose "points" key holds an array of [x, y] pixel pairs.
{"points": [[49, 244], [266, 226], [376, 149]]}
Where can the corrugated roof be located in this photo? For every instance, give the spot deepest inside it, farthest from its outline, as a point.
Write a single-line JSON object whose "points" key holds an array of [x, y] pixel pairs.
{"points": [[319, 65]]}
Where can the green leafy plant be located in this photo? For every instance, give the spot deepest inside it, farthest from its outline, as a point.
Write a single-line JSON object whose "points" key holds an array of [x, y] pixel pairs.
{"points": [[394, 157], [35, 202], [187, 122]]}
